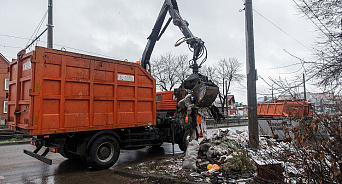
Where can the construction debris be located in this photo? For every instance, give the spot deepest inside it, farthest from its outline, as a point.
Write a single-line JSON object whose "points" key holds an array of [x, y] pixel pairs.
{"points": [[226, 158], [220, 159]]}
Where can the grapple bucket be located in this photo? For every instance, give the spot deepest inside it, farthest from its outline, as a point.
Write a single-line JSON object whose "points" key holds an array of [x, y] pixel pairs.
{"points": [[204, 90], [205, 94]]}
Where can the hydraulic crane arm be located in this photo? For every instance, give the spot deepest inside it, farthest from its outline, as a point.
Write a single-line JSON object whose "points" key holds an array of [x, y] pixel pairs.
{"points": [[195, 43], [202, 91]]}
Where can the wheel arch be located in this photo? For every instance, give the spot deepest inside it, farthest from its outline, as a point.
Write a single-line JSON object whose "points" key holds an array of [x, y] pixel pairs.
{"points": [[99, 134]]}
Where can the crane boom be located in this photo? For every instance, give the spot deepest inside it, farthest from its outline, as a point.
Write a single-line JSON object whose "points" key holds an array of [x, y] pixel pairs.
{"points": [[201, 91], [171, 7]]}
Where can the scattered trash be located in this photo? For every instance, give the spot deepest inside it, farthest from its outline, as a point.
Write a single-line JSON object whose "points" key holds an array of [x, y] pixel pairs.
{"points": [[191, 155], [216, 167], [271, 172], [224, 158], [194, 174], [211, 170], [128, 168]]}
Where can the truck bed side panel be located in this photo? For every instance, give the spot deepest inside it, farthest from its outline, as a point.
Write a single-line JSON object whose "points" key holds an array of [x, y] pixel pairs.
{"points": [[72, 92]]}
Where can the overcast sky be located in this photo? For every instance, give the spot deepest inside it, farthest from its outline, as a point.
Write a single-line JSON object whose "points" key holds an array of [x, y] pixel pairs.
{"points": [[119, 28]]}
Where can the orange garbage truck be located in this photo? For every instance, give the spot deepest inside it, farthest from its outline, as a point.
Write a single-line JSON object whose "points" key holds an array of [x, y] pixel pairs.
{"points": [[167, 107], [85, 107], [275, 119], [88, 108], [285, 108]]}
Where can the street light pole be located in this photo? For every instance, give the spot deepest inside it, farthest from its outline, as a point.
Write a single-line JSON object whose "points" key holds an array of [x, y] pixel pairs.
{"points": [[253, 127]]}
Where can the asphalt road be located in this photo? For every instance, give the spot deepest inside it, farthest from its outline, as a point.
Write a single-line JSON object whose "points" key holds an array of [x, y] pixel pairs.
{"points": [[17, 167]]}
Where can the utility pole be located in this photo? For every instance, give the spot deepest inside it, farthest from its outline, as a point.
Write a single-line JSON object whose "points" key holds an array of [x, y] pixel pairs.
{"points": [[253, 127], [272, 95], [224, 97], [304, 86], [50, 26]]}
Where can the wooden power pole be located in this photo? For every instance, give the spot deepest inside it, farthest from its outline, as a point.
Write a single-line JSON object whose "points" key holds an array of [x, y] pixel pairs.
{"points": [[253, 127]]}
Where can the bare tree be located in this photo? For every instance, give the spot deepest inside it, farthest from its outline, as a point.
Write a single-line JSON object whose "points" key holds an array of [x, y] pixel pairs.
{"points": [[327, 16], [289, 90], [211, 73], [228, 72], [183, 70], [170, 70]]}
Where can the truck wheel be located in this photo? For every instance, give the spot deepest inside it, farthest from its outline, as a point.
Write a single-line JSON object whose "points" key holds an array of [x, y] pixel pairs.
{"points": [[104, 152], [183, 144]]}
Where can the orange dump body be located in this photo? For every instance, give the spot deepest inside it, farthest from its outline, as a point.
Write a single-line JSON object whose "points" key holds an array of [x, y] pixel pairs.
{"points": [[166, 101], [298, 108], [52, 91]]}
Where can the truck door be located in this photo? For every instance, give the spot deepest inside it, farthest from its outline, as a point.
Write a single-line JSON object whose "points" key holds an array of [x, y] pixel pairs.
{"points": [[20, 87]]}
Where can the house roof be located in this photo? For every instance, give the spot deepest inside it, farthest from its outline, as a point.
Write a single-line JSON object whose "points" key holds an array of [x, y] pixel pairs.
{"points": [[230, 97], [2, 56]]}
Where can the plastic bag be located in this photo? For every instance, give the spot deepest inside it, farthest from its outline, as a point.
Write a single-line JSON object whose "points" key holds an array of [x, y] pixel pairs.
{"points": [[191, 155]]}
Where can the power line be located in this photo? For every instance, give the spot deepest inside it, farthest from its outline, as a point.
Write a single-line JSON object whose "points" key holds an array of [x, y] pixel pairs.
{"points": [[293, 71], [298, 40], [10, 36], [37, 28], [302, 61], [319, 20], [282, 30], [63, 46], [319, 28], [265, 81], [290, 37], [13, 47], [245, 89], [285, 66]]}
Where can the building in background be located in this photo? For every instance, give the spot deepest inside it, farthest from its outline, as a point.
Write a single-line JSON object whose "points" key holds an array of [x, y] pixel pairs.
{"points": [[325, 102], [4, 79], [229, 107]]}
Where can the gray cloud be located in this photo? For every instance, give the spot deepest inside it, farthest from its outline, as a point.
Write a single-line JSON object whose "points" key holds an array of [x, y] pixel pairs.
{"points": [[119, 28]]}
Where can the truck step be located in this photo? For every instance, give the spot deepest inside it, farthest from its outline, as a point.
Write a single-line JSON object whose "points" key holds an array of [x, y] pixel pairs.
{"points": [[137, 140], [39, 157], [142, 133], [138, 146], [10, 136]]}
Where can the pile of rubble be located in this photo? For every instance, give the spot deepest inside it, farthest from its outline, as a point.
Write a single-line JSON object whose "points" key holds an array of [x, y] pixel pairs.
{"points": [[221, 159], [225, 158], [280, 158]]}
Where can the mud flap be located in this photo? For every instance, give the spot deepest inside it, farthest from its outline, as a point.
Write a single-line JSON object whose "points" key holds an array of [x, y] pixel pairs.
{"points": [[42, 157]]}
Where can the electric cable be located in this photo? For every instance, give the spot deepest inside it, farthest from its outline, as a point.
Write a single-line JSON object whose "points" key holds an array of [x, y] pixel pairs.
{"points": [[319, 28], [282, 30], [320, 21], [13, 47], [10, 36], [68, 47], [37, 28]]}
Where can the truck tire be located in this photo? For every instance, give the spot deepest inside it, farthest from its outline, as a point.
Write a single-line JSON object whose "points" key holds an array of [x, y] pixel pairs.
{"points": [[183, 144], [104, 152]]}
